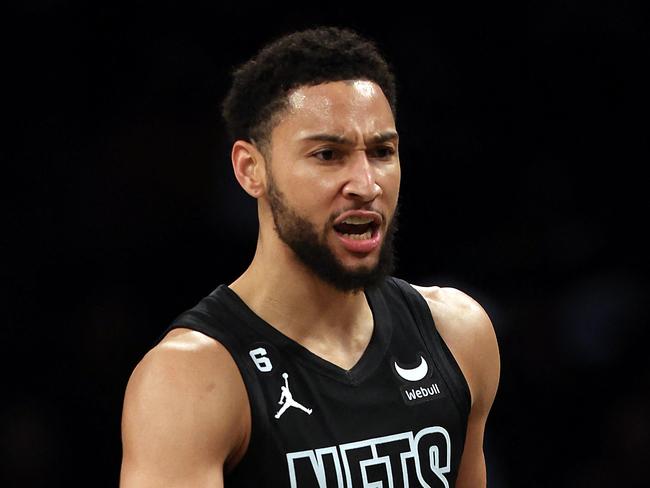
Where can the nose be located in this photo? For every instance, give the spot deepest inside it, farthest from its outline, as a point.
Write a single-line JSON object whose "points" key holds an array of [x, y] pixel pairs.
{"points": [[361, 183]]}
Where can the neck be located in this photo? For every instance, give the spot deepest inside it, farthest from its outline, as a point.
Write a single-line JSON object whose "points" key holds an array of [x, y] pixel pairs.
{"points": [[287, 295]]}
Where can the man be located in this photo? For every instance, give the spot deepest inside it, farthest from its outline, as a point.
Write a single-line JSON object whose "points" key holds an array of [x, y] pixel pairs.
{"points": [[315, 367]]}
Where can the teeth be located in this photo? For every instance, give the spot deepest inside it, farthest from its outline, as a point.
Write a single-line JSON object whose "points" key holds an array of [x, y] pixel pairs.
{"points": [[357, 220], [359, 237]]}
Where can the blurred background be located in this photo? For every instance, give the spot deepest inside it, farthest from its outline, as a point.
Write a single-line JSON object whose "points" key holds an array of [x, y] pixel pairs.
{"points": [[523, 131]]}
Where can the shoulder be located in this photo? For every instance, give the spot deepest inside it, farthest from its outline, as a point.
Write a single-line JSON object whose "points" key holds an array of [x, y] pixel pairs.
{"points": [[468, 332], [186, 393], [185, 360], [455, 308]]}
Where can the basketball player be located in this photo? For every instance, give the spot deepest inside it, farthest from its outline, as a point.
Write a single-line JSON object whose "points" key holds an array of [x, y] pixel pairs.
{"points": [[316, 367]]}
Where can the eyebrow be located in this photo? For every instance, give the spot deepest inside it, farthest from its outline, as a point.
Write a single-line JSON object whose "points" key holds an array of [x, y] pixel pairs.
{"points": [[389, 135]]}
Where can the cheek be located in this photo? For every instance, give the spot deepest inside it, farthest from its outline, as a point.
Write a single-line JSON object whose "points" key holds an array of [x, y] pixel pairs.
{"points": [[312, 184], [310, 193]]}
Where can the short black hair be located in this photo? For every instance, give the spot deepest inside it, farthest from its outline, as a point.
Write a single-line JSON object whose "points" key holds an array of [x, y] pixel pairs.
{"points": [[323, 54]]}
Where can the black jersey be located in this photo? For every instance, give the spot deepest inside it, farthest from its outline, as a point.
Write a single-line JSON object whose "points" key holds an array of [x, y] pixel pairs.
{"points": [[397, 418]]}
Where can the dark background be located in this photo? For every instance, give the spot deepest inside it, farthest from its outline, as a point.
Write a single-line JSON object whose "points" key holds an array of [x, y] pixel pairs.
{"points": [[523, 137]]}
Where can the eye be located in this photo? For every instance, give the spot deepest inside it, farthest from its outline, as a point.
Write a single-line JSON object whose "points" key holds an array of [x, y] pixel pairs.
{"points": [[327, 155], [382, 152]]}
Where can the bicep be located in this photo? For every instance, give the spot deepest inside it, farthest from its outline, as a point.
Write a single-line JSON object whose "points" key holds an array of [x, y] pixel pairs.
{"points": [[180, 421], [484, 372], [472, 471]]}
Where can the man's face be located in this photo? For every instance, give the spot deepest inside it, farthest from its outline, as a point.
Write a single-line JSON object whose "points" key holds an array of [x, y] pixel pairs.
{"points": [[333, 181]]}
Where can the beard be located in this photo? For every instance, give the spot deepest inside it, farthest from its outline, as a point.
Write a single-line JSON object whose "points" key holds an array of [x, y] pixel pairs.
{"points": [[313, 251]]}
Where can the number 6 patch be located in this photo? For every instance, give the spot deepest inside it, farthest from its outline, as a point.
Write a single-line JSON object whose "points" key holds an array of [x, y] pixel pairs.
{"points": [[261, 360]]}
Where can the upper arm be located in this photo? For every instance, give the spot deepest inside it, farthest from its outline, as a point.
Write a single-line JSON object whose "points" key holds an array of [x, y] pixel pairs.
{"points": [[468, 332], [184, 416], [479, 357]]}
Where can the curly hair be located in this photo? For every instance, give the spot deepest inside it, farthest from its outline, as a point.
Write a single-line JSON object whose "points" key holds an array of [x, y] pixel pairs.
{"points": [[260, 86]]}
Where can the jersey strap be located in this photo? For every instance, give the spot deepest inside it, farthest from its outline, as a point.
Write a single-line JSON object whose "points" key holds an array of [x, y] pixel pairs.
{"points": [[437, 347]]}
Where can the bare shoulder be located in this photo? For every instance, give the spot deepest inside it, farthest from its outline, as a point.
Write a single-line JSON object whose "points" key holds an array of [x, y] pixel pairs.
{"points": [[468, 332], [187, 362], [455, 310], [185, 414]]}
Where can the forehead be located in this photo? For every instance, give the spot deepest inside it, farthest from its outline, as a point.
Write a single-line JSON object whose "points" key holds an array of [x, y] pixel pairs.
{"points": [[355, 108]]}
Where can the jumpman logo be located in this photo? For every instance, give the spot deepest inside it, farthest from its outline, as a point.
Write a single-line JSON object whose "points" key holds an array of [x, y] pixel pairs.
{"points": [[287, 399]]}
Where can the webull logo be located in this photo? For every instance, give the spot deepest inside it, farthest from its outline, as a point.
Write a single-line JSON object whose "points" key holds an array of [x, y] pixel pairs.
{"points": [[421, 393], [420, 385]]}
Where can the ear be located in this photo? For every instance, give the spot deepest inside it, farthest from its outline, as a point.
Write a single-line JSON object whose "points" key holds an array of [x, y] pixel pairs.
{"points": [[248, 165]]}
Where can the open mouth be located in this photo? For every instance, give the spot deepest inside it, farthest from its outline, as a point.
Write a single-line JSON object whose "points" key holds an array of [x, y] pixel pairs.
{"points": [[357, 228]]}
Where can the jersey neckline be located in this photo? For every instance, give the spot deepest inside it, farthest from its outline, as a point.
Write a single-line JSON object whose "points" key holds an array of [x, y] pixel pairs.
{"points": [[367, 363]]}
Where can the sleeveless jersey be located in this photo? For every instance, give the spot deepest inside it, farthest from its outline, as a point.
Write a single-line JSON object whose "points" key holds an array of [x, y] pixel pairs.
{"points": [[396, 419]]}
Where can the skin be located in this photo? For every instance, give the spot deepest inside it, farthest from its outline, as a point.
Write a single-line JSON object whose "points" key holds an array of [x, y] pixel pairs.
{"points": [[186, 417]]}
